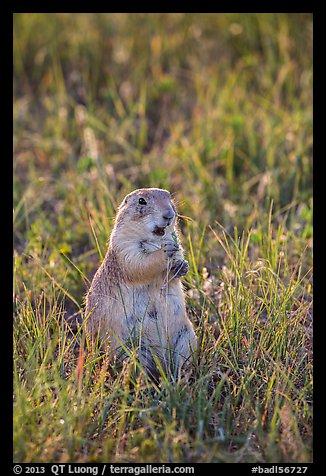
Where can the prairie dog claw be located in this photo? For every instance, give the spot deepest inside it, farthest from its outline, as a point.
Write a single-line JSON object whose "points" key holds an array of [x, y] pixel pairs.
{"points": [[180, 268], [170, 247]]}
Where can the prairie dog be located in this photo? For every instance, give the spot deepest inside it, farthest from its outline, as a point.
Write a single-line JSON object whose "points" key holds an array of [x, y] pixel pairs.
{"points": [[136, 299]]}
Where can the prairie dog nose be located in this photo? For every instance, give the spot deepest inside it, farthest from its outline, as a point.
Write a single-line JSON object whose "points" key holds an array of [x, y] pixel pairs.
{"points": [[168, 213]]}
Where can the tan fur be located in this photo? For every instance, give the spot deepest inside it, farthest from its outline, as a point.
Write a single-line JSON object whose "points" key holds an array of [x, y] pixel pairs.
{"points": [[136, 297]]}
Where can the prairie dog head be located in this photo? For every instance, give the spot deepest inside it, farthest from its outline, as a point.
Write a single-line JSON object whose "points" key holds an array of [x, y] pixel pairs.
{"points": [[146, 213]]}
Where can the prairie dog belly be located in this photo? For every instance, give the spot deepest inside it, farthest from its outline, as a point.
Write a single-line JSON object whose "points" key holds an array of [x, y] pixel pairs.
{"points": [[152, 321]]}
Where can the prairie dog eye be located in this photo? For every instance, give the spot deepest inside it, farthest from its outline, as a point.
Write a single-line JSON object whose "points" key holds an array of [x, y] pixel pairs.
{"points": [[142, 201]]}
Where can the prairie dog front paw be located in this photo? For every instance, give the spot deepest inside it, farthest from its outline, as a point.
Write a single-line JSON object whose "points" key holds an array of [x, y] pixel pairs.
{"points": [[170, 247], [148, 246], [180, 268]]}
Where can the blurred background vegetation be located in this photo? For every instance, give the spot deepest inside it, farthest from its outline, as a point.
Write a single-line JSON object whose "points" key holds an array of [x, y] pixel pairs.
{"points": [[217, 108]]}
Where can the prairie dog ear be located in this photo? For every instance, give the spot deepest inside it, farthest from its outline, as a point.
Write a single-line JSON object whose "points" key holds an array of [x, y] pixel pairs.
{"points": [[125, 200], [174, 206]]}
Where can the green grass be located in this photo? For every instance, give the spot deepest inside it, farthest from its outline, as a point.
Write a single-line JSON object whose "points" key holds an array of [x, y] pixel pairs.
{"points": [[217, 108]]}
